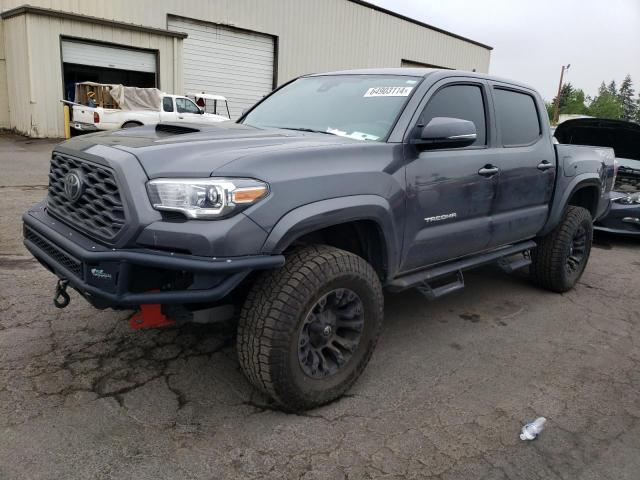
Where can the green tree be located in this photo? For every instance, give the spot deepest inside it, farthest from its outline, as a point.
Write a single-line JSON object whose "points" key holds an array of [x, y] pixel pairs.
{"points": [[606, 105], [625, 94], [550, 107], [611, 88], [565, 92], [575, 103], [572, 101], [602, 89]]}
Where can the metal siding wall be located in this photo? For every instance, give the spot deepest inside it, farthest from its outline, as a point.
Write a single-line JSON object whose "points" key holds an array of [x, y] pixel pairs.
{"points": [[43, 117], [312, 36], [15, 31], [4, 96], [46, 73]]}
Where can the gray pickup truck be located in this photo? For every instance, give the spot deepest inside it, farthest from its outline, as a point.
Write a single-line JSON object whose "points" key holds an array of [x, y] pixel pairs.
{"points": [[295, 218]]}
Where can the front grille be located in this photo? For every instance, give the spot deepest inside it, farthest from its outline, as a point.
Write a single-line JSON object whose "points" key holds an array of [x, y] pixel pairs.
{"points": [[56, 253], [627, 181], [98, 212]]}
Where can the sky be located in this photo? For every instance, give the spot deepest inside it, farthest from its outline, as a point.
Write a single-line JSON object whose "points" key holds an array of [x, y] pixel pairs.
{"points": [[532, 39]]}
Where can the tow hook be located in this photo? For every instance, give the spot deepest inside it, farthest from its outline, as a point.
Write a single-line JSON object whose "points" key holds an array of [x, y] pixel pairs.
{"points": [[61, 298]]}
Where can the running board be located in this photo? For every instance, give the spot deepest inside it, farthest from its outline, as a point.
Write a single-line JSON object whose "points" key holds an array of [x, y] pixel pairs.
{"points": [[422, 278], [433, 293], [511, 265]]}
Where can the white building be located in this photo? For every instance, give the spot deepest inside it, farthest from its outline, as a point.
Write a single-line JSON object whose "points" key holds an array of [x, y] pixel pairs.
{"points": [[241, 49]]}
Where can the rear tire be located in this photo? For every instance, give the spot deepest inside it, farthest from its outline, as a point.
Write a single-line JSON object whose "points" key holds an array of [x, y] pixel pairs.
{"points": [[131, 124], [307, 331], [560, 258]]}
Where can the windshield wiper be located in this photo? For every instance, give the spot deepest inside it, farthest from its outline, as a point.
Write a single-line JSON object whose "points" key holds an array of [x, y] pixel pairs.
{"points": [[302, 129]]}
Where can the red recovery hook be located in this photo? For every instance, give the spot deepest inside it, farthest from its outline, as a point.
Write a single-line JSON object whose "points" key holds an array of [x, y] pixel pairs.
{"points": [[150, 316]]}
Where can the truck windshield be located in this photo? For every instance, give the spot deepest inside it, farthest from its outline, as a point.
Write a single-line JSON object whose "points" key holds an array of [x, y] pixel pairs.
{"points": [[362, 107]]}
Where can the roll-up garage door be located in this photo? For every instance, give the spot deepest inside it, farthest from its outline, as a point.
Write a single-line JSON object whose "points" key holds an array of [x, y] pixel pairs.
{"points": [[94, 62], [104, 56], [234, 63]]}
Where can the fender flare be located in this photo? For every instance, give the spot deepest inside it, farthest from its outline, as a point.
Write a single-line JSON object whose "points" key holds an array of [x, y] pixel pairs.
{"points": [[334, 211], [560, 203]]}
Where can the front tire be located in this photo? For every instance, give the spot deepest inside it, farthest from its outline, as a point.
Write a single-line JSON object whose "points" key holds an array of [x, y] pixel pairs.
{"points": [[560, 258], [307, 331]]}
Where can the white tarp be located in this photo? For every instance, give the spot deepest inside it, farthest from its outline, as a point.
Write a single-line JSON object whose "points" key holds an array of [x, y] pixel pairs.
{"points": [[136, 98], [132, 98]]}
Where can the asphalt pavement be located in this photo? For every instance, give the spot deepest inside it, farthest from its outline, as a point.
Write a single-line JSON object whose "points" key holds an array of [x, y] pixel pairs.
{"points": [[445, 395]]}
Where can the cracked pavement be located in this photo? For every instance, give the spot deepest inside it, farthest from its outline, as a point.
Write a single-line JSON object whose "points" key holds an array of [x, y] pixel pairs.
{"points": [[445, 395]]}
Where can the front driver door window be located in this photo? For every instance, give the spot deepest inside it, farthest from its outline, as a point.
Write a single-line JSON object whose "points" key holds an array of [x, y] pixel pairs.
{"points": [[187, 110], [449, 202]]}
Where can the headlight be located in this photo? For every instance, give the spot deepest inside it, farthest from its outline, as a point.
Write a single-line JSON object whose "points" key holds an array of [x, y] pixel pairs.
{"points": [[205, 198], [633, 199]]}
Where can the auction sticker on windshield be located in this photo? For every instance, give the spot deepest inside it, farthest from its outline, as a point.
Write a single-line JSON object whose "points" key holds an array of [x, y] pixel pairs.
{"points": [[388, 92]]}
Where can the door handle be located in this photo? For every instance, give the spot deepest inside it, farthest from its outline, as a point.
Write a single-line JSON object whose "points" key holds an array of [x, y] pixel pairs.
{"points": [[488, 171], [545, 165]]}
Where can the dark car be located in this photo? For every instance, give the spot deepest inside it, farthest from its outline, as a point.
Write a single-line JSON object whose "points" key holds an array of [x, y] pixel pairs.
{"points": [[624, 138], [296, 217]]}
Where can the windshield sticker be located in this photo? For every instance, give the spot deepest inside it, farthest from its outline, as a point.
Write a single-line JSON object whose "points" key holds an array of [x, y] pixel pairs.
{"points": [[388, 92], [363, 136], [354, 135]]}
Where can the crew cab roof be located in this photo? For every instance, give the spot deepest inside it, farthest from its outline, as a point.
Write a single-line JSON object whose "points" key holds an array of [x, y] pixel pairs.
{"points": [[413, 72], [423, 72]]}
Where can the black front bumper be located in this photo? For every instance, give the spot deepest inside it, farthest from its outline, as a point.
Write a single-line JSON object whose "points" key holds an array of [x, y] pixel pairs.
{"points": [[109, 277]]}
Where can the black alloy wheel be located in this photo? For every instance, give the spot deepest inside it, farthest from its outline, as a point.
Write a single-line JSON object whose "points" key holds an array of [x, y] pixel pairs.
{"points": [[577, 251], [331, 333]]}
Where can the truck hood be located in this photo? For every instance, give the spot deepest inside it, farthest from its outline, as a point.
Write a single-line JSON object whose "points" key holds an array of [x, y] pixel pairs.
{"points": [[623, 137], [170, 150]]}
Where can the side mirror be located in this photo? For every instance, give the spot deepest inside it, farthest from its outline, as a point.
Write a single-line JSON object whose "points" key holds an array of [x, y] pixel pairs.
{"points": [[201, 110], [445, 132]]}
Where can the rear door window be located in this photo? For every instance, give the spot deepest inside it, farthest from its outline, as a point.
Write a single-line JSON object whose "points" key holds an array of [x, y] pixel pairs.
{"points": [[517, 116], [459, 101]]}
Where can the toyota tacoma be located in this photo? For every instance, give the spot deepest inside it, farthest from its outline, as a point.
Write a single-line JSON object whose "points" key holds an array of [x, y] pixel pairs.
{"points": [[294, 218]]}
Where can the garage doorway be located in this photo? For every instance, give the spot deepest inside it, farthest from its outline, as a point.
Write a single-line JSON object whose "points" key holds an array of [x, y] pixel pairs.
{"points": [[238, 64], [93, 62]]}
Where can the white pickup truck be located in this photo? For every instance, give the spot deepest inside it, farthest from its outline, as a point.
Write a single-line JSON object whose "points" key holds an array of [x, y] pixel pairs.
{"points": [[172, 108]]}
